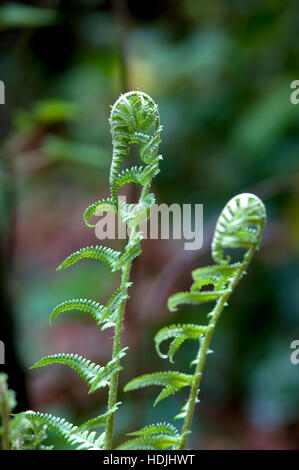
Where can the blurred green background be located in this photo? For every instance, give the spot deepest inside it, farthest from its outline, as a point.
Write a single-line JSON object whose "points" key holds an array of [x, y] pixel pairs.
{"points": [[221, 74]]}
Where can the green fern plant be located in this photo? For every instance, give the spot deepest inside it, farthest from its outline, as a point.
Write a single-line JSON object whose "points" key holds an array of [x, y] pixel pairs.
{"points": [[240, 225], [134, 120]]}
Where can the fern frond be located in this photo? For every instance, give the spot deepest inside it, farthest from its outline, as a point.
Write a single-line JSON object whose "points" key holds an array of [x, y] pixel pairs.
{"points": [[104, 375], [182, 413], [180, 333], [135, 214], [100, 313], [84, 305], [160, 442], [132, 250], [240, 225], [105, 205], [93, 374], [120, 295], [129, 175], [159, 428], [224, 271], [154, 437], [99, 420], [87, 370], [88, 440], [133, 115], [170, 381], [175, 344], [148, 144], [193, 298], [109, 312], [101, 253], [151, 170], [134, 120], [67, 431]]}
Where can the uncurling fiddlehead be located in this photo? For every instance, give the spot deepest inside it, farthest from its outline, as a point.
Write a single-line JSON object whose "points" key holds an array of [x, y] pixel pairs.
{"points": [[134, 120], [240, 226]]}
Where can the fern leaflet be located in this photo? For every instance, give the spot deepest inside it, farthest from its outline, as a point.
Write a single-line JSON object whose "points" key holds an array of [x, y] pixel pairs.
{"points": [[170, 381], [83, 440]]}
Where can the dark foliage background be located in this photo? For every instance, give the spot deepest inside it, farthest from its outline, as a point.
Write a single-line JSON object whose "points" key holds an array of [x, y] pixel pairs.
{"points": [[221, 74]]}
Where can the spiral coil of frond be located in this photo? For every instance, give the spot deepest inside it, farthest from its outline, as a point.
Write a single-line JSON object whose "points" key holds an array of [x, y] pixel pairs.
{"points": [[134, 119]]}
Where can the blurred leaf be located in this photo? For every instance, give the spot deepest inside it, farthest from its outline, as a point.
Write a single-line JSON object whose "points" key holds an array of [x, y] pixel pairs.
{"points": [[50, 111], [273, 398], [14, 15], [45, 112], [59, 149], [10, 394], [98, 29], [266, 120]]}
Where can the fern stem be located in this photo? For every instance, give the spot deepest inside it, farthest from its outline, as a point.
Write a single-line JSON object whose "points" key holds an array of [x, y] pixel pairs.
{"points": [[5, 415], [204, 345], [112, 398]]}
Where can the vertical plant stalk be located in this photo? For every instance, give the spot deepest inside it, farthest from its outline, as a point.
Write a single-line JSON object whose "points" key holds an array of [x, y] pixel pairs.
{"points": [[5, 414], [112, 398]]}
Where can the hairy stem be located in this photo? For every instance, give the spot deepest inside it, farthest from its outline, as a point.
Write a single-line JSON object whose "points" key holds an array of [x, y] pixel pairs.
{"points": [[204, 345], [5, 415], [112, 398]]}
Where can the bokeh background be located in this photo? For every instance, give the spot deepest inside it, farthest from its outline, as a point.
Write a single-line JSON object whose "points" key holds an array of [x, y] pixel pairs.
{"points": [[221, 74]]}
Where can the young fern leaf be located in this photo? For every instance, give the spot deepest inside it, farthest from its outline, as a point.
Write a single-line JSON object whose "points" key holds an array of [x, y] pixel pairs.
{"points": [[93, 374], [101, 253], [179, 333], [134, 120], [193, 298], [216, 271], [130, 175], [154, 437], [73, 435], [240, 225], [99, 421], [159, 442], [84, 367], [136, 213], [170, 381], [103, 378], [132, 250], [100, 313], [109, 313], [183, 411], [84, 305], [132, 116], [134, 112], [119, 296], [160, 428], [105, 205]]}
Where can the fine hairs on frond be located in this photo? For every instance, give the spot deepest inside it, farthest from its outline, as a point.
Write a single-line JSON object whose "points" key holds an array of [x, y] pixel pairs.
{"points": [[240, 225]]}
